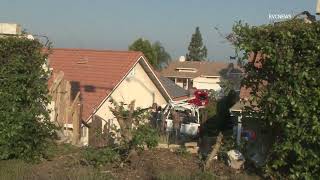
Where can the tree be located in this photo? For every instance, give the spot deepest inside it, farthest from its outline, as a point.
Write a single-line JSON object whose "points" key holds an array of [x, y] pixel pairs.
{"points": [[197, 51], [283, 73], [146, 48], [163, 57], [25, 125], [135, 132], [155, 53]]}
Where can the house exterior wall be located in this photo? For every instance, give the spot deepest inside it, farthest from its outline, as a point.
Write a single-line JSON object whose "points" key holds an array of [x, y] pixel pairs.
{"points": [[136, 86], [10, 29], [206, 83]]}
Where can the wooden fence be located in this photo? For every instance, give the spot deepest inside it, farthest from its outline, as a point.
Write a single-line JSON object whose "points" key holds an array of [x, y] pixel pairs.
{"points": [[65, 111]]}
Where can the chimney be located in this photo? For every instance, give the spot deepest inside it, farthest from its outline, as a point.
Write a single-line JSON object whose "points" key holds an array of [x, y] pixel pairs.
{"points": [[182, 59]]}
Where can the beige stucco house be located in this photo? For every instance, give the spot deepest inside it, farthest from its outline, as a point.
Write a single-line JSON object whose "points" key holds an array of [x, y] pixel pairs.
{"points": [[101, 75], [200, 74]]}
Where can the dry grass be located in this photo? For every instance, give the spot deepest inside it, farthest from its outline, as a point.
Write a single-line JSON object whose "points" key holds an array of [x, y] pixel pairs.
{"points": [[62, 164], [17, 170]]}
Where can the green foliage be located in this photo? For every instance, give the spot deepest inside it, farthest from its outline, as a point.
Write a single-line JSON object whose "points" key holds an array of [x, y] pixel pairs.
{"points": [[227, 145], [219, 113], [145, 135], [163, 57], [226, 86], [145, 47], [155, 53], [25, 127], [289, 99], [178, 176], [197, 51], [211, 108], [182, 151], [53, 150], [101, 156]]}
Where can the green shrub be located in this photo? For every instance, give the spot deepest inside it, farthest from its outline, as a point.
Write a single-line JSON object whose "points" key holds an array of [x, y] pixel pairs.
{"points": [[284, 77], [145, 135], [228, 144], [25, 128], [54, 150], [211, 108], [101, 156]]}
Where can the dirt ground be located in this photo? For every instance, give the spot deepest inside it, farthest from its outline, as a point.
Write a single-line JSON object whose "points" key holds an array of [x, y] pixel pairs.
{"points": [[151, 164]]}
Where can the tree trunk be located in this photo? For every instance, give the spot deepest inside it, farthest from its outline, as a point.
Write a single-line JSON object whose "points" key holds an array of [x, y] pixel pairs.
{"points": [[215, 150]]}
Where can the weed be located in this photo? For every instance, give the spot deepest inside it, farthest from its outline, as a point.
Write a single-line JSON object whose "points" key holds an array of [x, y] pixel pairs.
{"points": [[101, 156], [178, 176], [182, 151]]}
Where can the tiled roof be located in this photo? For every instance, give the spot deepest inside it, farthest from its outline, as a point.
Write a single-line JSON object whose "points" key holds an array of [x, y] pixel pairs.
{"points": [[206, 68], [94, 72]]}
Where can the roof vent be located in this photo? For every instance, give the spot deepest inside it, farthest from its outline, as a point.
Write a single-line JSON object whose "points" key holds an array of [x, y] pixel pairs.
{"points": [[83, 61], [182, 59]]}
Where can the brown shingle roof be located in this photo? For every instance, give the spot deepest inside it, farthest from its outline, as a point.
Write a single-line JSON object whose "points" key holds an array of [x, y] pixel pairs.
{"points": [[203, 69], [94, 72]]}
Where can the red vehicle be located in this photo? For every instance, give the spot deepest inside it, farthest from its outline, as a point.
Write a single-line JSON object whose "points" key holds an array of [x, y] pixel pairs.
{"points": [[201, 98]]}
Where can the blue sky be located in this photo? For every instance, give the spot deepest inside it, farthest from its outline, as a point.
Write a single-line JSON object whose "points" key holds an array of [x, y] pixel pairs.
{"points": [[114, 24]]}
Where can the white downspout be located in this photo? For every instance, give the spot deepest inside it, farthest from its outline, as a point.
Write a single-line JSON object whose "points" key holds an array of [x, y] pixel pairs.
{"points": [[239, 129]]}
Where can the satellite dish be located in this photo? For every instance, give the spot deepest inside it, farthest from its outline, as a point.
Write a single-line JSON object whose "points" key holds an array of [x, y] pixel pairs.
{"points": [[29, 36]]}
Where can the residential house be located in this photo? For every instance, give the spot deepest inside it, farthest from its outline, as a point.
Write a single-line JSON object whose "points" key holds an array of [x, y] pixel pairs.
{"points": [[102, 75], [13, 29], [201, 74], [10, 29]]}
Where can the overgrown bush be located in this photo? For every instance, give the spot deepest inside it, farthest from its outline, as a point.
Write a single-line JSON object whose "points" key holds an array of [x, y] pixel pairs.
{"points": [[145, 135], [101, 156], [228, 144], [24, 121], [182, 151], [211, 108], [283, 73]]}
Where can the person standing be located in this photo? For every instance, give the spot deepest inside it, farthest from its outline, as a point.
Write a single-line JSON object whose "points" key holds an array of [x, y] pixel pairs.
{"points": [[154, 114], [159, 118], [176, 120]]}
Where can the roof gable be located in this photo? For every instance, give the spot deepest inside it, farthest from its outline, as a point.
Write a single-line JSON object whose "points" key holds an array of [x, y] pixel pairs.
{"points": [[95, 73]]}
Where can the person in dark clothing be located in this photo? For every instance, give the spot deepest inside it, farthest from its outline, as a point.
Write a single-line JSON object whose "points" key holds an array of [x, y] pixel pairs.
{"points": [[154, 115], [159, 118], [176, 120]]}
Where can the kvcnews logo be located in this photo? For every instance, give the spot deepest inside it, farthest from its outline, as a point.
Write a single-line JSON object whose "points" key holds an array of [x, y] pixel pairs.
{"points": [[280, 16]]}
